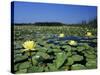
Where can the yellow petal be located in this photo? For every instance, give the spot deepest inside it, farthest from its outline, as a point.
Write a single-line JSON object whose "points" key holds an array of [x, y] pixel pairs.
{"points": [[29, 45], [61, 35], [88, 34], [72, 42], [24, 50]]}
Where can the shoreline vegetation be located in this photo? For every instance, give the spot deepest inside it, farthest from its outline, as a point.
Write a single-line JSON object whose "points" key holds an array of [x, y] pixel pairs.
{"points": [[92, 23], [47, 47]]}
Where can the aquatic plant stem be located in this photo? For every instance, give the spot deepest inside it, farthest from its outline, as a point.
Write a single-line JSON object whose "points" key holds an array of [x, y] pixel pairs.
{"points": [[31, 58]]}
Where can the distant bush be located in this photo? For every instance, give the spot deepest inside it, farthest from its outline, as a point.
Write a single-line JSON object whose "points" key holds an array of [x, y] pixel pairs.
{"points": [[93, 23], [48, 24]]}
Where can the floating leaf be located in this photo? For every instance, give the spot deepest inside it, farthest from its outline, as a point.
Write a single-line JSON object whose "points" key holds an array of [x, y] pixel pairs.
{"points": [[67, 48], [62, 42], [91, 64], [34, 61], [77, 67], [56, 50], [44, 55], [24, 65], [60, 59], [52, 67], [20, 58], [41, 43], [73, 48], [17, 46], [77, 58], [17, 51], [50, 50], [70, 61], [46, 69], [35, 69], [68, 54], [55, 46], [91, 56], [42, 49], [22, 71], [74, 53], [89, 59], [90, 51], [52, 46], [80, 48], [86, 46], [95, 40], [16, 67]]}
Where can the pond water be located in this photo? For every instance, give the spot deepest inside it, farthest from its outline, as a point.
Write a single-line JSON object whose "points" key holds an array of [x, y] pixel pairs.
{"points": [[55, 40]]}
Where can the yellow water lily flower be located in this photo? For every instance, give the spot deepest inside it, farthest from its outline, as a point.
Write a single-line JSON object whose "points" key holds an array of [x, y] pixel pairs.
{"points": [[88, 34], [72, 42], [61, 35], [29, 45]]}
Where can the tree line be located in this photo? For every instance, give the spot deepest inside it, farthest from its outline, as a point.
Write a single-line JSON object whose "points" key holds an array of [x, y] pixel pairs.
{"points": [[91, 23]]}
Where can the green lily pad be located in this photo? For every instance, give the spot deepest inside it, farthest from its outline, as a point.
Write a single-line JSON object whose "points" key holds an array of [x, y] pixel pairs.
{"points": [[68, 54], [67, 48], [56, 50], [60, 59], [17, 51], [22, 71], [89, 59], [35, 69], [42, 49], [34, 61], [90, 51], [77, 58], [91, 64], [69, 61], [77, 67], [46, 69], [44, 55], [86, 46], [24, 65], [50, 50], [73, 48], [52, 67], [91, 56], [17, 46], [16, 67], [20, 58], [80, 48]]}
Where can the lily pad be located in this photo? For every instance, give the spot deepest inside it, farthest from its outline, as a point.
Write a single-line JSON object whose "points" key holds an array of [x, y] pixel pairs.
{"points": [[91, 64], [24, 65], [22, 71], [80, 48], [68, 54], [20, 58], [52, 67], [77, 67], [77, 58], [70, 61], [35, 69], [67, 48], [60, 59], [43, 54]]}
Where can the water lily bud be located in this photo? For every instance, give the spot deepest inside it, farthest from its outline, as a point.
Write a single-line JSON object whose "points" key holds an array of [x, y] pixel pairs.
{"points": [[61, 35], [72, 42], [88, 34]]}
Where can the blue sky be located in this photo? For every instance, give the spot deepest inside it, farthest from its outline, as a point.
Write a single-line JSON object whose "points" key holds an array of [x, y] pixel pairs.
{"points": [[29, 12]]}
